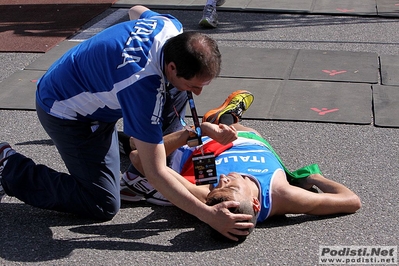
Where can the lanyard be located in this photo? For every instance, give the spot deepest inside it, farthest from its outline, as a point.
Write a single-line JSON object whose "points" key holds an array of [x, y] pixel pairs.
{"points": [[197, 140], [195, 116]]}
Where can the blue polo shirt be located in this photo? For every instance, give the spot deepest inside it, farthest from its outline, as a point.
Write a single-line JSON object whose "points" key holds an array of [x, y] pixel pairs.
{"points": [[117, 73]]}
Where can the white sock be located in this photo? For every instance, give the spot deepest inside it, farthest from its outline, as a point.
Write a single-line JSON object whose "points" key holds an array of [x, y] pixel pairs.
{"points": [[211, 2]]}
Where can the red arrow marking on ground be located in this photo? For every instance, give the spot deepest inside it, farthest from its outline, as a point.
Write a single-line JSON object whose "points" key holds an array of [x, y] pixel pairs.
{"points": [[324, 111], [34, 80], [345, 10], [334, 72]]}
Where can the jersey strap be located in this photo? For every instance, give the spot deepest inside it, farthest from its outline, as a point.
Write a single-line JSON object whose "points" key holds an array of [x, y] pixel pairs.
{"points": [[297, 174]]}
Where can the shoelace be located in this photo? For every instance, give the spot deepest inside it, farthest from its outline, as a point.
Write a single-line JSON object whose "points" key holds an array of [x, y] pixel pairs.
{"points": [[208, 12]]}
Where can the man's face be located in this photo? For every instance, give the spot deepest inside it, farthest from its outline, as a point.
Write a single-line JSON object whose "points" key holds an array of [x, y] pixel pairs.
{"points": [[234, 187], [194, 84]]}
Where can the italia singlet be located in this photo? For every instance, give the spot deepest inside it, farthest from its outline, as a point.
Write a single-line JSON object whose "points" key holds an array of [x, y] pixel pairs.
{"points": [[245, 156]]}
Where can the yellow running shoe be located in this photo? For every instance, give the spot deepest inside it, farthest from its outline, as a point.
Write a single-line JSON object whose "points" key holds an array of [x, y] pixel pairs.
{"points": [[236, 104]]}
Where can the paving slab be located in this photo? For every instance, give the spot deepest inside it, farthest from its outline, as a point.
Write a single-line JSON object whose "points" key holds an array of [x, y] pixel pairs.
{"points": [[386, 105], [231, 5], [295, 100], [248, 62], [215, 94], [334, 7], [18, 91], [323, 102], [353, 7], [388, 8], [389, 70], [339, 66], [46, 60], [170, 4], [254, 69], [300, 6]]}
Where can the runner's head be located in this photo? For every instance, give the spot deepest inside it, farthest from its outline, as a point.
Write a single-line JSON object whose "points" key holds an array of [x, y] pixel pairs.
{"points": [[235, 187]]}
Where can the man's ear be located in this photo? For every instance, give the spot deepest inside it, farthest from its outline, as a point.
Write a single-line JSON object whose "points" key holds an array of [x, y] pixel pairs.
{"points": [[256, 205], [171, 67]]}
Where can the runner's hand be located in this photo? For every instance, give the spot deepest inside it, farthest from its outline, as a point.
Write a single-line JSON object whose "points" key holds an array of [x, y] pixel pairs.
{"points": [[221, 133]]}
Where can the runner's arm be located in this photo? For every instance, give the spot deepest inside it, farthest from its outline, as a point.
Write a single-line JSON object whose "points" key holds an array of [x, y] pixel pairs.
{"points": [[177, 139], [335, 199], [220, 133]]}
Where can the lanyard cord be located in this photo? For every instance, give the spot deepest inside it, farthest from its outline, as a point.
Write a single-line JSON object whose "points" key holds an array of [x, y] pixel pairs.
{"points": [[195, 116]]}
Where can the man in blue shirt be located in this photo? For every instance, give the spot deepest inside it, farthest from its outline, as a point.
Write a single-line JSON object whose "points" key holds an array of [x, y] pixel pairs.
{"points": [[138, 70]]}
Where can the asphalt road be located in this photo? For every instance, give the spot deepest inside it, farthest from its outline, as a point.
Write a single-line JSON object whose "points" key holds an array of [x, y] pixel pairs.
{"points": [[363, 157]]}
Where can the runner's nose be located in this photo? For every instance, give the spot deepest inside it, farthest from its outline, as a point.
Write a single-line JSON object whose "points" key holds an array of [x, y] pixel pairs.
{"points": [[224, 179]]}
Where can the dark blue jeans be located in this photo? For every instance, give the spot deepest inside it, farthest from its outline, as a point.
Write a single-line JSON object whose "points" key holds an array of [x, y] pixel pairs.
{"points": [[90, 151]]}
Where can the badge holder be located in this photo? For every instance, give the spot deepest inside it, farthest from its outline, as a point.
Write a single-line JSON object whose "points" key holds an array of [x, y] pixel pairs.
{"points": [[204, 163]]}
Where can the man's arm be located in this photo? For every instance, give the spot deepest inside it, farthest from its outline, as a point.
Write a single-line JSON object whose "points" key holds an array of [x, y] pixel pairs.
{"points": [[172, 142], [200, 192], [335, 199], [136, 11], [153, 158], [175, 140]]}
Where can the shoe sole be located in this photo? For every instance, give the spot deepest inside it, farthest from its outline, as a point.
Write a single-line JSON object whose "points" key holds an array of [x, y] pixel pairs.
{"points": [[129, 195], [206, 24], [159, 202], [224, 105], [220, 3], [135, 192], [128, 198]]}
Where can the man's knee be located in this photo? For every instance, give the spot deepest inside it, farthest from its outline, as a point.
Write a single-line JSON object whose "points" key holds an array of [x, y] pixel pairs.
{"points": [[108, 210]]}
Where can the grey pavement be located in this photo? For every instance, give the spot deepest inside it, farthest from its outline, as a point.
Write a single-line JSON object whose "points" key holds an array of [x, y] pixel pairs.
{"points": [[363, 157]]}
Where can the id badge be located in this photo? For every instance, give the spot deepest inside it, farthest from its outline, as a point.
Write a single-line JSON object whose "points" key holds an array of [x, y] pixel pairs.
{"points": [[205, 169]]}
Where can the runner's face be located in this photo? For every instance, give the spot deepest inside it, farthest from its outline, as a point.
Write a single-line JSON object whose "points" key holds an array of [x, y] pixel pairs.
{"points": [[233, 186]]}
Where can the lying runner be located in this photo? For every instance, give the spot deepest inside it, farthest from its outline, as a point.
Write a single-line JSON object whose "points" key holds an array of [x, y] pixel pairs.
{"points": [[250, 173]]}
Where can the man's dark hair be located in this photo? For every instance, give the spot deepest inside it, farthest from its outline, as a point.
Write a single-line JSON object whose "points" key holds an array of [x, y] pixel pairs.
{"points": [[245, 207], [194, 54]]}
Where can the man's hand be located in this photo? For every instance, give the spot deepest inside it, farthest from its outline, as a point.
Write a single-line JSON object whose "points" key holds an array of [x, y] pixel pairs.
{"points": [[221, 133], [228, 223]]}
